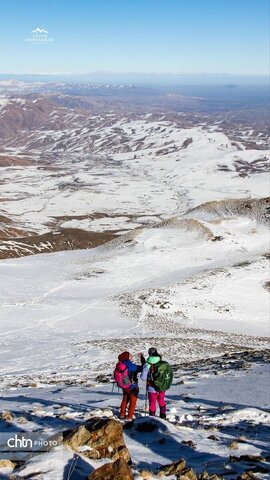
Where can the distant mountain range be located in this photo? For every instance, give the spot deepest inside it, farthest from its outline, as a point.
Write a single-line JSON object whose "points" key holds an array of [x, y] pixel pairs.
{"points": [[144, 78]]}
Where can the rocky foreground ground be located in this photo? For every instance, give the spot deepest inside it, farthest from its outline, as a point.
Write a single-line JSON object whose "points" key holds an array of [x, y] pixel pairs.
{"points": [[217, 426]]}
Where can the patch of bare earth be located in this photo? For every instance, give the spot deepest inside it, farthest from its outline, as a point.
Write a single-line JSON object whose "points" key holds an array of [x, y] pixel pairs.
{"points": [[66, 239], [9, 231]]}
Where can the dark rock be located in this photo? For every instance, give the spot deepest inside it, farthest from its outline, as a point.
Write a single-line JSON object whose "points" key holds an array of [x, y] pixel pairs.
{"points": [[252, 458], [189, 443], [187, 474], [187, 142], [103, 378], [247, 458], [217, 238], [162, 441]]}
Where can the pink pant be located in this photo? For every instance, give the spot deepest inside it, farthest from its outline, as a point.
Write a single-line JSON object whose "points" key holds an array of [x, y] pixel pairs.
{"points": [[153, 399]]}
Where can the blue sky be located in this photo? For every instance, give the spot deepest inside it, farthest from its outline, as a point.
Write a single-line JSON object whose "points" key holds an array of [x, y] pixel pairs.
{"points": [[176, 36]]}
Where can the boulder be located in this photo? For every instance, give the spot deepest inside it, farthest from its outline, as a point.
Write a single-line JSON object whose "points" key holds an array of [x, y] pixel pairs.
{"points": [[98, 438], [252, 458], [118, 470], [187, 474], [146, 475], [7, 464], [247, 458], [213, 437], [248, 475], [7, 416], [209, 476], [22, 420], [174, 468], [189, 443]]}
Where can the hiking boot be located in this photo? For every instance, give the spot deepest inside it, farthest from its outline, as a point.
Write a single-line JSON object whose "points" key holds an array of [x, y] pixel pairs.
{"points": [[163, 415], [152, 414], [130, 419]]}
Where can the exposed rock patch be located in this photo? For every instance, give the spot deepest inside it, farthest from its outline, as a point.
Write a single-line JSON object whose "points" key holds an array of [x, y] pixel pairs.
{"points": [[98, 438], [118, 470], [7, 416], [174, 468]]}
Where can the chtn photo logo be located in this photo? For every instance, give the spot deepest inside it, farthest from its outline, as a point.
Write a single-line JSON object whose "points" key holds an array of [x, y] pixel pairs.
{"points": [[28, 442], [40, 36], [16, 442]]}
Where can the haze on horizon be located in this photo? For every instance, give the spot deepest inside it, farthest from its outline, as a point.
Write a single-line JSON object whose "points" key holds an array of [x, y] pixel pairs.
{"points": [[144, 37]]}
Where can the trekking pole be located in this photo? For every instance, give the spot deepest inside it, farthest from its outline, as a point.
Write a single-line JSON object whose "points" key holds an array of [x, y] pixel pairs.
{"points": [[146, 399]]}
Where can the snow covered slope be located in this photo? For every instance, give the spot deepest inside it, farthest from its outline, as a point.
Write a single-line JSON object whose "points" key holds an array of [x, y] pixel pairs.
{"points": [[132, 169], [185, 268], [68, 311]]}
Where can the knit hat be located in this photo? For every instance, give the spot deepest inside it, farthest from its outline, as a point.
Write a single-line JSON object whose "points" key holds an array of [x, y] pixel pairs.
{"points": [[152, 352], [123, 356]]}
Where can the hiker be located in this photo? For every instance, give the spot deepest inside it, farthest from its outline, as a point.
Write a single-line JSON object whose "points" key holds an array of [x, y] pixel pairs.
{"points": [[158, 375], [126, 377]]}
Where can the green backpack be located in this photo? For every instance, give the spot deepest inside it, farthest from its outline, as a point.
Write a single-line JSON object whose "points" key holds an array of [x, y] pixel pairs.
{"points": [[161, 376]]}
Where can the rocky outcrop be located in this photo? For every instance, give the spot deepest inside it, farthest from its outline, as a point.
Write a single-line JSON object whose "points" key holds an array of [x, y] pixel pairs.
{"points": [[187, 474], [212, 476], [179, 469], [248, 475], [173, 468], [7, 416], [98, 438], [118, 470]]}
